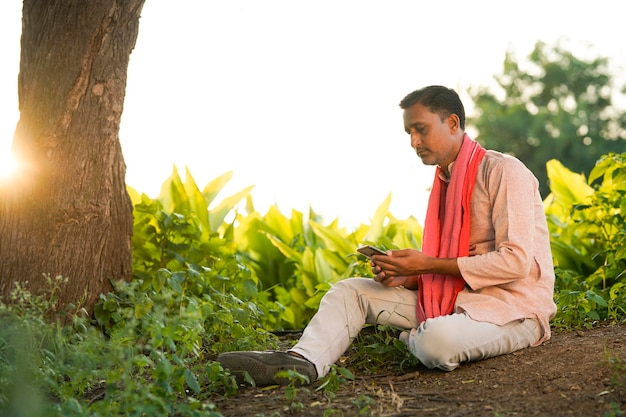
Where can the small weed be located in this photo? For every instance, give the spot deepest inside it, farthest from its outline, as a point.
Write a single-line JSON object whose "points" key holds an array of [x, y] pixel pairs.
{"points": [[378, 348], [363, 403], [332, 381], [616, 411], [332, 412], [296, 380], [617, 367]]}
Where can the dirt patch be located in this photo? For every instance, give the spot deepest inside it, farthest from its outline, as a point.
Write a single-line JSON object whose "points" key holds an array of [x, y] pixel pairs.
{"points": [[566, 376]]}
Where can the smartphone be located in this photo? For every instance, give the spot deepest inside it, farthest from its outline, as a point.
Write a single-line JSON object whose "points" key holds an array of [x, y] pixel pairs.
{"points": [[368, 251]]}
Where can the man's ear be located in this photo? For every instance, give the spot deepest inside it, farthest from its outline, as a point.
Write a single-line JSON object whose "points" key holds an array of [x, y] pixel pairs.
{"points": [[454, 123]]}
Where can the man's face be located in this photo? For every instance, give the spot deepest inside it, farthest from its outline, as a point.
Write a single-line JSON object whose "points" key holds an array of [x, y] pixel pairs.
{"points": [[436, 142]]}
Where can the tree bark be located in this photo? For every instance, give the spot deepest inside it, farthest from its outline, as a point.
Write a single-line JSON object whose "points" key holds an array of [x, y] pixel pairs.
{"points": [[68, 213]]}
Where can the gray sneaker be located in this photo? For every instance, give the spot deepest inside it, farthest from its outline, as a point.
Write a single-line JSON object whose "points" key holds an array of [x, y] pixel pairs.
{"points": [[263, 366]]}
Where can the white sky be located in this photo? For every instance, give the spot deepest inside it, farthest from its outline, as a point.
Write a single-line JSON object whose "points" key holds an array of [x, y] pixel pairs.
{"points": [[300, 98]]}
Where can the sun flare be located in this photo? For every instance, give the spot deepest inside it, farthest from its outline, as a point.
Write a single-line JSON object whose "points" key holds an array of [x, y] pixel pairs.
{"points": [[8, 165]]}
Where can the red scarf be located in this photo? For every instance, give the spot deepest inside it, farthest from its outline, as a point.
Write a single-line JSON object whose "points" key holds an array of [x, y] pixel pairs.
{"points": [[447, 230]]}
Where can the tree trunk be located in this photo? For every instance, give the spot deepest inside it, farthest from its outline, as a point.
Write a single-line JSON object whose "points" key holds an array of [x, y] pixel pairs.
{"points": [[68, 213]]}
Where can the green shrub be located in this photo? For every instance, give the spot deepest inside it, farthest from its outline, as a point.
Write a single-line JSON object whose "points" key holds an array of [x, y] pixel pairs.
{"points": [[297, 260], [588, 236]]}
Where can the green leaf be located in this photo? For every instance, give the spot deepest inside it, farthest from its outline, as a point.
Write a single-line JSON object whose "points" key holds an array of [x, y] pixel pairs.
{"points": [[346, 373], [334, 238], [309, 270], [279, 224], [219, 212], [135, 197], [175, 282], [567, 187], [212, 189], [160, 278], [286, 250], [191, 381], [197, 203], [102, 315], [596, 298], [322, 267], [378, 222], [173, 196], [143, 308]]}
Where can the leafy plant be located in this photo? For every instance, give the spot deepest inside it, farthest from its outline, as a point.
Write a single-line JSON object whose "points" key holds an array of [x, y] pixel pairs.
{"points": [[377, 347], [151, 350], [334, 379], [363, 403], [588, 235], [297, 260], [294, 386]]}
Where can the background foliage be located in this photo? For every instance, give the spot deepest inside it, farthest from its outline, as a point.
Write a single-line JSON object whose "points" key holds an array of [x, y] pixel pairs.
{"points": [[588, 230], [554, 105], [215, 276]]}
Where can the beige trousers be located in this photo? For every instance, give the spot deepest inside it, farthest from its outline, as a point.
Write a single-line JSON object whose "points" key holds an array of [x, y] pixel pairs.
{"points": [[443, 342]]}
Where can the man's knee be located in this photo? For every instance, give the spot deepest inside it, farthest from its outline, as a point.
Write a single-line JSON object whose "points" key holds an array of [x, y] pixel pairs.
{"points": [[447, 341], [436, 346]]}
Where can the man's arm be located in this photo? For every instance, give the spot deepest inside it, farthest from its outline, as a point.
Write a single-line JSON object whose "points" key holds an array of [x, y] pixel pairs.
{"points": [[405, 265]]}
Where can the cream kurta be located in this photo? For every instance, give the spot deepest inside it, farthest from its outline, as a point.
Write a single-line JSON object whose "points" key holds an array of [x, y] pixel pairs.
{"points": [[510, 271]]}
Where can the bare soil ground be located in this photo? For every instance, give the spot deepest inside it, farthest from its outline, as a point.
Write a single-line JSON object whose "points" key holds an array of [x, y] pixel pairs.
{"points": [[567, 376]]}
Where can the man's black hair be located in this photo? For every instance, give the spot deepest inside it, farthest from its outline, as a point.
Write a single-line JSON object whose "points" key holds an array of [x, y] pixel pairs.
{"points": [[441, 100]]}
